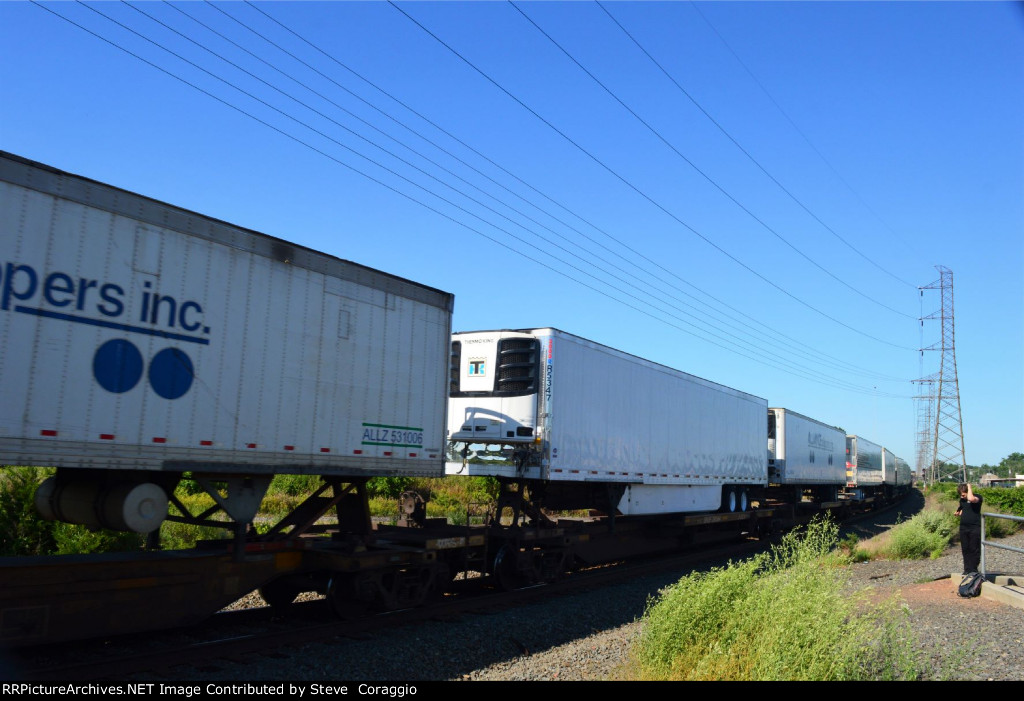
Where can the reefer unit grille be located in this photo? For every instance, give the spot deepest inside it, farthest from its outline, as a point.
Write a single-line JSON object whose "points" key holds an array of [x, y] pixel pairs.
{"points": [[517, 364], [455, 364]]}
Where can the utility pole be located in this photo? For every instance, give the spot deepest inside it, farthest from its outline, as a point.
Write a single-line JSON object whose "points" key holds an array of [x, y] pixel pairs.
{"points": [[948, 436]]}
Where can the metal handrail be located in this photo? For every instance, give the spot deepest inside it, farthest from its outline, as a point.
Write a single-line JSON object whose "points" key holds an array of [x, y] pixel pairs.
{"points": [[993, 544]]}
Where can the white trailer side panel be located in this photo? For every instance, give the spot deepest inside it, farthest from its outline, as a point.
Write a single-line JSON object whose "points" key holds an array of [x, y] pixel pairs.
{"points": [[904, 477], [889, 468], [863, 462], [137, 335], [806, 451], [616, 417]]}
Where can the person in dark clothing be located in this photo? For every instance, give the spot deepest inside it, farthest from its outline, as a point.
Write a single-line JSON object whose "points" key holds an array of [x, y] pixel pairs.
{"points": [[970, 527]]}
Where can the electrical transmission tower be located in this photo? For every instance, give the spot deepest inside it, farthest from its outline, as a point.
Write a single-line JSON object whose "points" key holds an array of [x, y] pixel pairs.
{"points": [[947, 455], [926, 426]]}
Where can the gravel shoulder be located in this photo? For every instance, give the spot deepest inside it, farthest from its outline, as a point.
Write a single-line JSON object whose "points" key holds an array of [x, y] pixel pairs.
{"points": [[967, 639]]}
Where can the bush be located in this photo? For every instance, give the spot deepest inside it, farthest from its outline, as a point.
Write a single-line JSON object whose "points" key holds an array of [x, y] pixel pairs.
{"points": [[944, 491], [71, 539], [1000, 527], [927, 534], [850, 546], [187, 485], [388, 487], [942, 523], [910, 541], [183, 536], [1001, 499], [295, 485], [22, 530], [1004, 501], [781, 615]]}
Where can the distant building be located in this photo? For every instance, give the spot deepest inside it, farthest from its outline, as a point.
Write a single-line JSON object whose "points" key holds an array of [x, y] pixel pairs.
{"points": [[991, 480]]}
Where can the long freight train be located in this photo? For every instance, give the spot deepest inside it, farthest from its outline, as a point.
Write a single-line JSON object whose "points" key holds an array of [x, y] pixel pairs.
{"points": [[144, 344]]}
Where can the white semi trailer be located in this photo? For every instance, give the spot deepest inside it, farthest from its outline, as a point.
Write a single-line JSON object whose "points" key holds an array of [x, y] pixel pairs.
{"points": [[864, 473], [806, 453], [141, 340], [586, 424]]}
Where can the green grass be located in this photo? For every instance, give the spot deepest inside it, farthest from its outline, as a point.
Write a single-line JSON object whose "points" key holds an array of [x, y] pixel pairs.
{"points": [[459, 499], [781, 615], [446, 497], [927, 534], [850, 546], [933, 530]]}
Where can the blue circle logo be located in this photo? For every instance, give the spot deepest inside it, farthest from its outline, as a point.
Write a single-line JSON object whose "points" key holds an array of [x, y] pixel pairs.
{"points": [[117, 365], [170, 373]]}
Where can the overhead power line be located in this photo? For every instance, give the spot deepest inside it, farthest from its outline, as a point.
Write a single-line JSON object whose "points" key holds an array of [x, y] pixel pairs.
{"points": [[696, 6], [747, 153], [793, 345], [785, 360], [796, 371], [644, 195], [704, 175]]}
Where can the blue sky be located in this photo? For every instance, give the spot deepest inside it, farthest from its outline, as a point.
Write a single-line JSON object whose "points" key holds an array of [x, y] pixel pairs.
{"points": [[749, 192]]}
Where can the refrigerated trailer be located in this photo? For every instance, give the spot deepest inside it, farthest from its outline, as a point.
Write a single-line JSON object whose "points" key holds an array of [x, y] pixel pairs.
{"points": [[864, 473], [587, 424], [141, 340]]}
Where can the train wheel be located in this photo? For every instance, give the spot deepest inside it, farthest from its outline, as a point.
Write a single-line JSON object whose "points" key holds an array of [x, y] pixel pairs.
{"points": [[279, 593], [342, 597], [742, 502], [442, 578], [506, 568], [555, 565], [405, 588]]}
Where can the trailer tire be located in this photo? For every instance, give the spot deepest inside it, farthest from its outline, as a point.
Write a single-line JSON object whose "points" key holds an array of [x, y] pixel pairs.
{"points": [[729, 499]]}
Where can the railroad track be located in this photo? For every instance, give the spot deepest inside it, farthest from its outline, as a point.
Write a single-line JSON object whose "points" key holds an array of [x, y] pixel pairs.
{"points": [[238, 636], [243, 635]]}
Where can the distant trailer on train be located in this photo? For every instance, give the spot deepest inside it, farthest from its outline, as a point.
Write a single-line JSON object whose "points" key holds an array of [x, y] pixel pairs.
{"points": [[806, 453], [864, 467]]}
